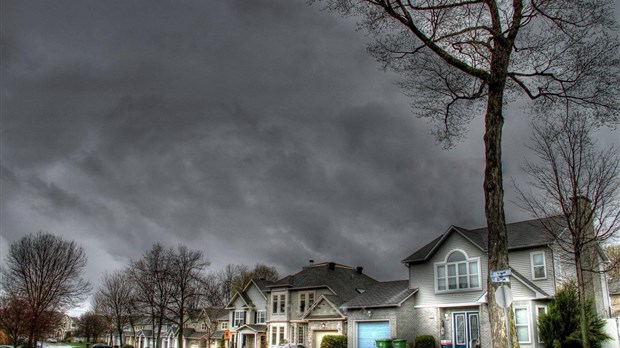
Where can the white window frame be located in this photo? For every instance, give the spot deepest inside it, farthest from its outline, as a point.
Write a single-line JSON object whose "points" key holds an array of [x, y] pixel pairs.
{"points": [[538, 308], [277, 334], [261, 317], [470, 272], [236, 318], [301, 334], [224, 325], [526, 324], [306, 299], [278, 300], [544, 264]]}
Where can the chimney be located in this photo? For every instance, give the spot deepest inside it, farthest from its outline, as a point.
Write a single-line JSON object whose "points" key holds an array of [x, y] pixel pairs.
{"points": [[360, 269], [331, 265], [311, 262]]}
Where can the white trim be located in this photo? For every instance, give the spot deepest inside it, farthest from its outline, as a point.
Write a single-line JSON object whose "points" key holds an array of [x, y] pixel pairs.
{"points": [[528, 323], [536, 322], [544, 264], [450, 305], [467, 261]]}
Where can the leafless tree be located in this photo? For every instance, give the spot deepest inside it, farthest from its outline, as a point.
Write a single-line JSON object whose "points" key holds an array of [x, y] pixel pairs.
{"points": [[14, 316], [613, 251], [233, 278], [186, 273], [458, 57], [579, 184], [115, 300], [150, 276], [91, 326], [47, 271]]}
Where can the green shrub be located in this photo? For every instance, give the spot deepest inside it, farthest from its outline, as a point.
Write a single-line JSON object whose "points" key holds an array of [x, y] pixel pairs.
{"points": [[334, 341], [424, 341], [560, 326], [127, 346]]}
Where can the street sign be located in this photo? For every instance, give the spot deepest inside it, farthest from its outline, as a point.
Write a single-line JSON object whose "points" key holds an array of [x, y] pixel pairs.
{"points": [[503, 296], [500, 279], [501, 273]]}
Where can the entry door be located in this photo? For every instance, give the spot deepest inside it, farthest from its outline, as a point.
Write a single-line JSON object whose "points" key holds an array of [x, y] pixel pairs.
{"points": [[466, 329]]}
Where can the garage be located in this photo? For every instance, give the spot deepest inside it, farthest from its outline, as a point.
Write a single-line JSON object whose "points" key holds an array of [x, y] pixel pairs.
{"points": [[318, 337], [369, 331]]}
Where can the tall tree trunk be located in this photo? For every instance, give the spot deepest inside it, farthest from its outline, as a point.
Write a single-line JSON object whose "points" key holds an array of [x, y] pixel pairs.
{"points": [[581, 292], [494, 191]]}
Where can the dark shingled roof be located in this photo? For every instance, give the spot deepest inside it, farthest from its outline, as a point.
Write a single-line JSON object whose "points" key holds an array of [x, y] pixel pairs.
{"points": [[522, 234], [262, 284], [343, 280], [385, 294]]}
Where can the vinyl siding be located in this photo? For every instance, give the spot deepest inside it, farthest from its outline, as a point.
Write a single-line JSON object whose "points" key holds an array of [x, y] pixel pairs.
{"points": [[422, 276], [520, 261]]}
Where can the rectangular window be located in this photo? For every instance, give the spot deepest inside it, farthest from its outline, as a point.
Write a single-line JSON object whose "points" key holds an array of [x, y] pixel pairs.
{"points": [[539, 271], [224, 325], [282, 304], [203, 326], [306, 299], [274, 308], [239, 318], [300, 335], [539, 311], [281, 336], [274, 335], [278, 303], [522, 324], [302, 303], [261, 317]]}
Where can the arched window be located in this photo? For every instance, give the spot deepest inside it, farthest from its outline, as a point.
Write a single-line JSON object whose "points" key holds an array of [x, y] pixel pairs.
{"points": [[458, 272]]}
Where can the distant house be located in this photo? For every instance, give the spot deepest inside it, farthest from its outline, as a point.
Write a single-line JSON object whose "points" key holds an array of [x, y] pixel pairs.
{"points": [[306, 306], [247, 324], [450, 275]]}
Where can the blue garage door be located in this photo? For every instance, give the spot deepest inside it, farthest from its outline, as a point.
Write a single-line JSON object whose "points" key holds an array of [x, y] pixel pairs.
{"points": [[368, 332]]}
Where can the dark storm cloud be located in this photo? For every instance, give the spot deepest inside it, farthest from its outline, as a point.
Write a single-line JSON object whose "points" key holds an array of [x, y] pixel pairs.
{"points": [[256, 131]]}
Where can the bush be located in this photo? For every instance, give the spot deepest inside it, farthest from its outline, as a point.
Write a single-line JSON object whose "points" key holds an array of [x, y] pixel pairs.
{"points": [[424, 341], [560, 326], [127, 346], [334, 341]]}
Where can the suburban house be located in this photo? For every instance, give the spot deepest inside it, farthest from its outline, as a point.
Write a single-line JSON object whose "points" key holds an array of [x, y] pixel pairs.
{"points": [[306, 306], [450, 273], [386, 310], [247, 322], [67, 328]]}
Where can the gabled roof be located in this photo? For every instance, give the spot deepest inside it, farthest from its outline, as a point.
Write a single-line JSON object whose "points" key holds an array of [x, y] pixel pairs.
{"points": [[244, 297], [261, 284], [253, 327], [384, 294], [342, 280], [331, 301], [523, 234]]}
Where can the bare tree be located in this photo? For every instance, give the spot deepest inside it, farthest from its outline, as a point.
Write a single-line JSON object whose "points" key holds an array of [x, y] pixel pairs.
{"points": [[260, 271], [115, 300], [613, 251], [460, 56], [186, 273], [150, 276], [14, 316], [91, 326], [47, 271], [579, 184]]}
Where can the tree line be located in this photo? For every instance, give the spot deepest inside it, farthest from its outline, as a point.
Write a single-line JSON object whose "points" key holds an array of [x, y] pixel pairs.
{"points": [[43, 278]]}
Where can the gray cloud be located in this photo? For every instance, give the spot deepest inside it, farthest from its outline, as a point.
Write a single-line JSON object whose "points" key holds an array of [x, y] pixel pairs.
{"points": [[255, 131]]}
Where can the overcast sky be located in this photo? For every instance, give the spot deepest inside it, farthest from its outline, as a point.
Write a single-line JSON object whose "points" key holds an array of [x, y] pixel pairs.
{"points": [[256, 131]]}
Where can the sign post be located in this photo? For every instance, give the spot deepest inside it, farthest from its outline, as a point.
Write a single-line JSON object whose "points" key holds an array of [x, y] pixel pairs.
{"points": [[503, 297]]}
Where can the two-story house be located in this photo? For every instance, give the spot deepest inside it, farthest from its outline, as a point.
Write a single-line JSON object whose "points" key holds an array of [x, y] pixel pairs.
{"points": [[450, 275], [306, 306], [248, 316]]}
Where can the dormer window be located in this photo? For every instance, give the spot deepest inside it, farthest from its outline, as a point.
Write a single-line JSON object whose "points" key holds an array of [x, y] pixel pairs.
{"points": [[457, 272]]}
